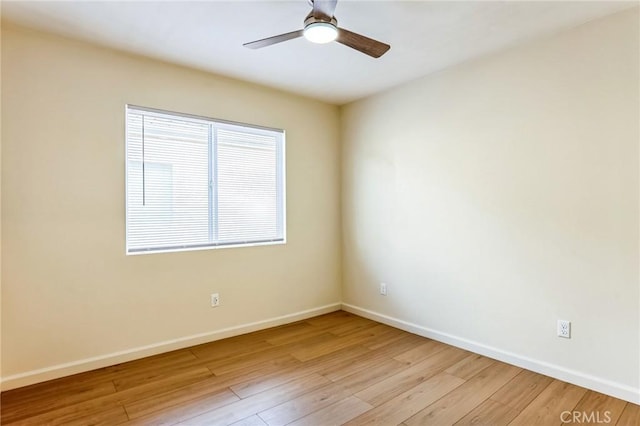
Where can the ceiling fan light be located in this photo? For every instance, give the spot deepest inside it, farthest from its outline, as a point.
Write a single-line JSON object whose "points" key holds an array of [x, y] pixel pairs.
{"points": [[320, 32]]}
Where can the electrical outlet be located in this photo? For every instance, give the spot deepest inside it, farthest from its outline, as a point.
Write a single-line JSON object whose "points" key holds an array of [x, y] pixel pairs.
{"points": [[215, 299], [564, 329], [383, 289]]}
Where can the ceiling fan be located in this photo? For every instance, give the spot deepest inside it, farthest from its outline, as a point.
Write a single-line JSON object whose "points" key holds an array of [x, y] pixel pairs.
{"points": [[320, 26]]}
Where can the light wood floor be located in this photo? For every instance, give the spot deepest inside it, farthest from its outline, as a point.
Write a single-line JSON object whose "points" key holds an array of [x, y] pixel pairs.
{"points": [[329, 370]]}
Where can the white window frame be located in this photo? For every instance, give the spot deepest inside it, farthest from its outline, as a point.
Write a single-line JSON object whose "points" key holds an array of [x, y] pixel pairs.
{"points": [[216, 124]]}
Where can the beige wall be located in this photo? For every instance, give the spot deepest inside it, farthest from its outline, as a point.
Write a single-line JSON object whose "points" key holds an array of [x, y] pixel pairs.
{"points": [[69, 292], [501, 195]]}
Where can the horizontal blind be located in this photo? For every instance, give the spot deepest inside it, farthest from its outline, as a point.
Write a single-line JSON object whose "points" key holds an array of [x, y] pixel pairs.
{"points": [[247, 187], [194, 183]]}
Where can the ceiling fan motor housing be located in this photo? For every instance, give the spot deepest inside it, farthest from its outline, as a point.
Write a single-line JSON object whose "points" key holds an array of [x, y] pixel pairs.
{"points": [[320, 30]]}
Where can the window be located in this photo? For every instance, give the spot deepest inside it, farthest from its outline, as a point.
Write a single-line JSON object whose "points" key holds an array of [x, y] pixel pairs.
{"points": [[194, 183]]}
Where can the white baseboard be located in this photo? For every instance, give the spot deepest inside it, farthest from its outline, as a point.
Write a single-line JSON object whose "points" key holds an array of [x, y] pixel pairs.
{"points": [[80, 366], [578, 378]]}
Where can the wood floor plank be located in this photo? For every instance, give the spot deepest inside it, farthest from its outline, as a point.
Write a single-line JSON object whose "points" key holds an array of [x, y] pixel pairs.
{"points": [[336, 414], [522, 389], [105, 402], [303, 405], [314, 350], [293, 336], [254, 420], [352, 325], [364, 378], [268, 381], [489, 413], [336, 360], [292, 329], [40, 391], [254, 404], [349, 355], [410, 402], [374, 335], [151, 365], [265, 365], [78, 383], [325, 366], [456, 404], [595, 409], [400, 338], [113, 415], [394, 347], [238, 363], [335, 319], [406, 379], [421, 352], [108, 417], [159, 374], [141, 407], [504, 405], [174, 414], [223, 349], [173, 397], [547, 407], [630, 416], [368, 360], [469, 366], [64, 398], [274, 363]]}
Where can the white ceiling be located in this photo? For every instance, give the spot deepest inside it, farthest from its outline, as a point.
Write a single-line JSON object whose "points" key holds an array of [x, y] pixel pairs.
{"points": [[425, 36]]}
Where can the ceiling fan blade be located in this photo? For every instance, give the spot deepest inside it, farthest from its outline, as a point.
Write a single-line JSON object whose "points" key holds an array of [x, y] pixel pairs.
{"points": [[274, 40], [366, 45], [324, 8]]}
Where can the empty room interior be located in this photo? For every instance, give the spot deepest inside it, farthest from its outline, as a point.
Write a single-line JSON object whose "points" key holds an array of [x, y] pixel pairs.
{"points": [[320, 212]]}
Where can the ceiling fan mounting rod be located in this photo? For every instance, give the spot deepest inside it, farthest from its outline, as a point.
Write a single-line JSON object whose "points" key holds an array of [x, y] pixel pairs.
{"points": [[310, 19]]}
